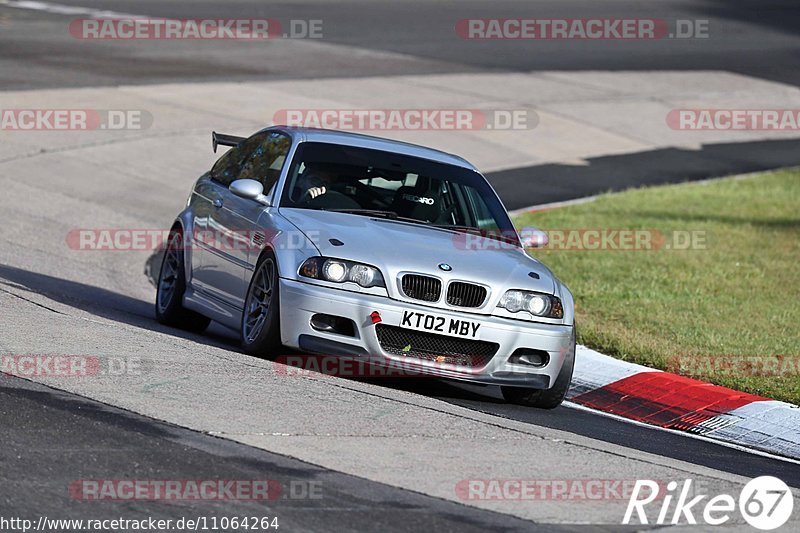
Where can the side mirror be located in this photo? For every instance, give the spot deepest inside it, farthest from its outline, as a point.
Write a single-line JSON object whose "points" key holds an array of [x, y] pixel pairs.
{"points": [[250, 189], [533, 237]]}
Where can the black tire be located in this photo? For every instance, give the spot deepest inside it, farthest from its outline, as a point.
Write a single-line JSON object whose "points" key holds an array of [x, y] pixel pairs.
{"points": [[547, 398], [170, 287], [266, 341]]}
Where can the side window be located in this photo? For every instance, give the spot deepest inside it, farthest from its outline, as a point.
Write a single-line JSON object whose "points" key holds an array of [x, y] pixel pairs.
{"points": [[478, 210], [226, 168], [265, 162], [259, 157]]}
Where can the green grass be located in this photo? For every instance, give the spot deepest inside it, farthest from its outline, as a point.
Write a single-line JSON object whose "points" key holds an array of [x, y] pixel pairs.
{"points": [[735, 301]]}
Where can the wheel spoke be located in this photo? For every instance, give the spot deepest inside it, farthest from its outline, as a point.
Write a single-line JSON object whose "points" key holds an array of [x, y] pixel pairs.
{"points": [[258, 301], [268, 275], [170, 269], [258, 325]]}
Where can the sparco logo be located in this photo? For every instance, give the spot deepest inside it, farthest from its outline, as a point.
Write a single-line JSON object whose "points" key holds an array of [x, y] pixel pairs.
{"points": [[765, 503]]}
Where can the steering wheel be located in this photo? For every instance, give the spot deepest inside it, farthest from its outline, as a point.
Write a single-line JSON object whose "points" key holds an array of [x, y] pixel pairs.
{"points": [[304, 197], [374, 194], [333, 200]]}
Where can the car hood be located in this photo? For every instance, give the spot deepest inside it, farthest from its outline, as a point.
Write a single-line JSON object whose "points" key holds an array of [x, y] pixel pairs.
{"points": [[395, 247]]}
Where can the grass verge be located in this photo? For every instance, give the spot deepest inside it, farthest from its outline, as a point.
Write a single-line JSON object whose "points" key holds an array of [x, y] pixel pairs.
{"points": [[716, 295]]}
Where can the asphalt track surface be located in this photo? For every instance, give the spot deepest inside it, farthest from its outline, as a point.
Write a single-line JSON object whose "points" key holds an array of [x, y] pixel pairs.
{"points": [[652, 440], [754, 37], [51, 437], [364, 38]]}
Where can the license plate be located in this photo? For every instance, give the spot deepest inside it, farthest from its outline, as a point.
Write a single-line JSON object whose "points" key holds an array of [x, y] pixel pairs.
{"points": [[455, 327]]}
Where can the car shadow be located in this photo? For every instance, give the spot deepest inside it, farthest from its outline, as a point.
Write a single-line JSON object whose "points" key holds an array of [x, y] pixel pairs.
{"points": [[558, 182], [152, 267], [134, 312], [105, 304]]}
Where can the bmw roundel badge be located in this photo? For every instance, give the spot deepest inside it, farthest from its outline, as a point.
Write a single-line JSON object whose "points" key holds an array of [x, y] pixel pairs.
{"points": [[445, 267]]}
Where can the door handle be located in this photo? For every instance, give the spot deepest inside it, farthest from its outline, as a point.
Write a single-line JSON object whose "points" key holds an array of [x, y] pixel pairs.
{"points": [[217, 202]]}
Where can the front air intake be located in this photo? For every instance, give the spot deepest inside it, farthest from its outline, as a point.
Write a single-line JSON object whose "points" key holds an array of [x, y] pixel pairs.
{"points": [[425, 288], [461, 294]]}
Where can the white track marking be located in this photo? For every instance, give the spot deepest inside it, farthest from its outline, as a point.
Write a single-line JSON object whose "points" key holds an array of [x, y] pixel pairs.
{"points": [[553, 205], [594, 370], [61, 9], [682, 433]]}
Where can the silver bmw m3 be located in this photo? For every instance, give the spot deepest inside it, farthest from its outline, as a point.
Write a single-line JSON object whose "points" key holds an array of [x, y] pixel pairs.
{"points": [[355, 246]]}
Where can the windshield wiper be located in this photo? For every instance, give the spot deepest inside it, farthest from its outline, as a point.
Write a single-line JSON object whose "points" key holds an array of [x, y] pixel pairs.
{"points": [[391, 215], [456, 227], [510, 238]]}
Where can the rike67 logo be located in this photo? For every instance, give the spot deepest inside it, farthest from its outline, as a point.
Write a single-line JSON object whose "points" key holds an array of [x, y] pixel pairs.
{"points": [[765, 503]]}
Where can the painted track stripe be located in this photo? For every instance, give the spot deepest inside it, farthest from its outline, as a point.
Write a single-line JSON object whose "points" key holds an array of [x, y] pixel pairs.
{"points": [[665, 400], [728, 443], [768, 425], [643, 395], [594, 370]]}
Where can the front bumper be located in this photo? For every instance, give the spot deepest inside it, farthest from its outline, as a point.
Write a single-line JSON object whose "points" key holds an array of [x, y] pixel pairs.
{"points": [[300, 301]]}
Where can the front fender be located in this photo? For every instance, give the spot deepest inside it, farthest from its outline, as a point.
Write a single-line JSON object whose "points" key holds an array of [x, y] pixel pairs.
{"points": [[567, 300], [186, 223], [290, 245]]}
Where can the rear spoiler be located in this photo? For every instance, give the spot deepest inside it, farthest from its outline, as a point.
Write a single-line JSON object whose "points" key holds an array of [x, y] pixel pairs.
{"points": [[224, 140]]}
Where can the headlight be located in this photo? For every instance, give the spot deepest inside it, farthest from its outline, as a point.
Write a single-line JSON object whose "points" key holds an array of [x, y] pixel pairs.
{"points": [[333, 270], [538, 304], [339, 271], [365, 275]]}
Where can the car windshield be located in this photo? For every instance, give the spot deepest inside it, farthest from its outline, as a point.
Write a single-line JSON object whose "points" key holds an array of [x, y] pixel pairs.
{"points": [[370, 182]]}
